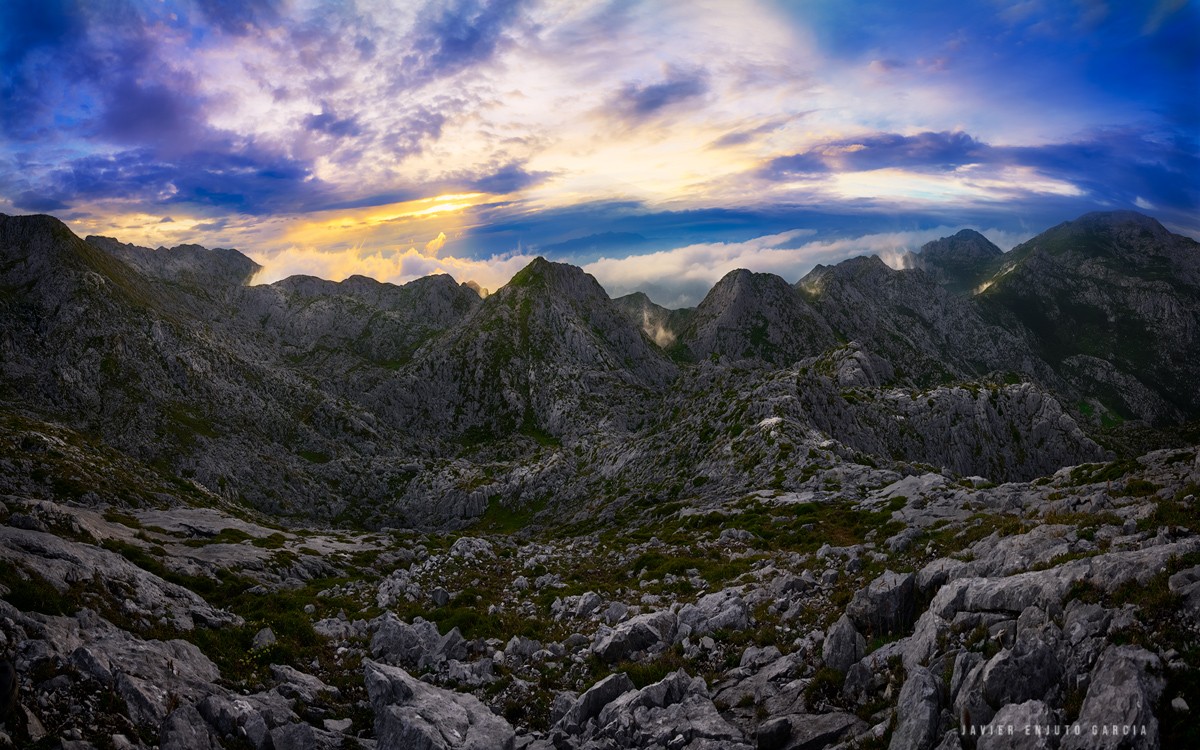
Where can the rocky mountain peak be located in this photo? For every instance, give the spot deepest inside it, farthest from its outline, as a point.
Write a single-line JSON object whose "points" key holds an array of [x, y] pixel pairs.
{"points": [[1120, 236], [544, 276], [755, 316], [185, 264], [960, 262], [40, 252], [966, 243]]}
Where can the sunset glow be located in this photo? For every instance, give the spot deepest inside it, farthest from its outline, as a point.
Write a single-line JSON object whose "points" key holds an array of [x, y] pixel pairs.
{"points": [[337, 137]]}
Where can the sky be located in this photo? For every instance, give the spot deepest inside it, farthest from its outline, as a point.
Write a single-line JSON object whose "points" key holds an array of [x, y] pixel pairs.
{"points": [[657, 144]]}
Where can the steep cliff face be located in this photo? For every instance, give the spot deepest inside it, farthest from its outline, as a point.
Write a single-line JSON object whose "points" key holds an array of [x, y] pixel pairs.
{"points": [[755, 316], [549, 353], [661, 325], [1113, 304], [424, 403], [928, 334], [92, 342], [960, 262]]}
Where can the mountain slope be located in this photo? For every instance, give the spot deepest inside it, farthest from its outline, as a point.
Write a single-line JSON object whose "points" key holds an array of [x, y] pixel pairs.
{"points": [[1113, 303], [928, 334], [960, 262], [755, 316], [661, 325], [547, 353]]}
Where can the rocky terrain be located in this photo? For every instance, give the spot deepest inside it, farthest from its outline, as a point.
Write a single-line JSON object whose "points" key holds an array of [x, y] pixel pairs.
{"points": [[903, 613], [874, 508]]}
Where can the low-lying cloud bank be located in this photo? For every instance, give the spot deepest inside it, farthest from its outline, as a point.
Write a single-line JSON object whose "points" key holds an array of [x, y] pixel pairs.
{"points": [[674, 278], [681, 277]]}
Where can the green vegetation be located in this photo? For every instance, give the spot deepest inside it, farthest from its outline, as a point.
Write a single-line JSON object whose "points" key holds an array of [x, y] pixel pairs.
{"points": [[502, 519]]}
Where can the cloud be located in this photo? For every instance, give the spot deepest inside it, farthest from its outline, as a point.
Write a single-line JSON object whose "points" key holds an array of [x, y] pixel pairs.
{"points": [[682, 276], [510, 178], [246, 180], [636, 102], [435, 245], [456, 35], [239, 17], [929, 150], [331, 124], [31, 201], [391, 265]]}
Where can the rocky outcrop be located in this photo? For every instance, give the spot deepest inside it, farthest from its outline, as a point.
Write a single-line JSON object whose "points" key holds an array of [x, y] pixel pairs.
{"points": [[411, 714], [755, 316]]}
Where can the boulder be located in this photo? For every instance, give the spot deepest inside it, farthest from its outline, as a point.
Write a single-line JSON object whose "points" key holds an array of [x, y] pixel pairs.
{"points": [[185, 729], [917, 712], [843, 646], [1022, 726], [674, 712], [1027, 671], [720, 610], [814, 731], [886, 605], [635, 634], [593, 700], [1125, 687], [413, 715], [397, 642]]}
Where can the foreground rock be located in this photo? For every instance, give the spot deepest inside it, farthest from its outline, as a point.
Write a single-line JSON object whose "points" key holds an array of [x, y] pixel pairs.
{"points": [[412, 714]]}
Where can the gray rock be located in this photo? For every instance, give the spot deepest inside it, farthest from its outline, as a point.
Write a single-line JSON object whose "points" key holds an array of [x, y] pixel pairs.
{"points": [[674, 712], [412, 714], [588, 603], [774, 733], [185, 729], [592, 701], [635, 634], [1025, 672], [1186, 583], [1021, 726], [297, 685], [843, 646], [397, 642], [917, 712], [300, 736], [1125, 687], [716, 611], [814, 731], [264, 638], [886, 605]]}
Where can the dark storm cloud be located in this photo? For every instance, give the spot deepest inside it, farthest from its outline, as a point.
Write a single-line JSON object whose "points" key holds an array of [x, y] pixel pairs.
{"points": [[32, 201], [508, 179], [331, 124], [245, 180], [638, 102], [937, 151], [454, 35], [1121, 165], [239, 17], [1116, 165]]}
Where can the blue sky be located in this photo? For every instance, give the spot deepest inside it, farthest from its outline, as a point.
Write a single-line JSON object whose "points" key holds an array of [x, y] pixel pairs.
{"points": [[658, 144]]}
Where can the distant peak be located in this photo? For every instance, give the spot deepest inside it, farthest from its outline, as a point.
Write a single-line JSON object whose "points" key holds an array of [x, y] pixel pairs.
{"points": [[1118, 219], [966, 243], [541, 271], [970, 234]]}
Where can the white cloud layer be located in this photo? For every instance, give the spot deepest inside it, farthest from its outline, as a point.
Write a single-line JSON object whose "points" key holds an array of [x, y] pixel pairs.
{"points": [[680, 277], [673, 278]]}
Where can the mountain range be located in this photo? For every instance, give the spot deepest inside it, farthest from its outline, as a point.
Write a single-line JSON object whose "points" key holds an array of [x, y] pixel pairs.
{"points": [[426, 404]]}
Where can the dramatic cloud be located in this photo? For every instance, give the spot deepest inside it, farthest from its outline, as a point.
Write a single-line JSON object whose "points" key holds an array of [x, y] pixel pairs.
{"points": [[589, 129], [939, 151], [682, 276], [640, 101]]}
